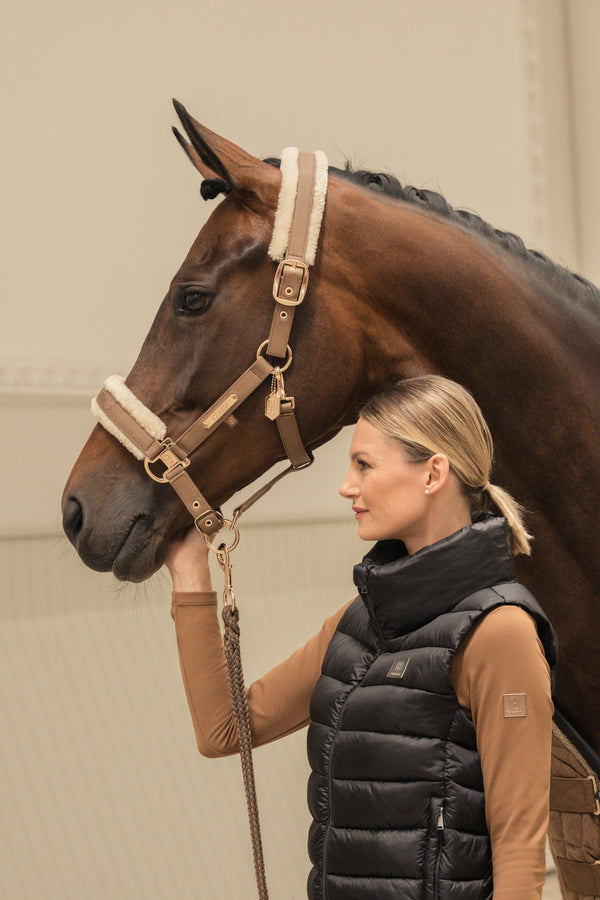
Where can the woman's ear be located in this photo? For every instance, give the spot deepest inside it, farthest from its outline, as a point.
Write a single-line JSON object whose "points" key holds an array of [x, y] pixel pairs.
{"points": [[438, 469]]}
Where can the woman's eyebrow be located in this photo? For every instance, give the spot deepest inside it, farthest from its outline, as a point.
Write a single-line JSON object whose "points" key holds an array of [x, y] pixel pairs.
{"points": [[354, 456]]}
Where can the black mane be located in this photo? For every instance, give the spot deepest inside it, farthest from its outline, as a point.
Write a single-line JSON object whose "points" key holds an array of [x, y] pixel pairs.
{"points": [[558, 277]]}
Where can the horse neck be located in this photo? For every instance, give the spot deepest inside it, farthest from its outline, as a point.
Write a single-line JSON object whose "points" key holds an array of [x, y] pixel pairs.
{"points": [[471, 313]]}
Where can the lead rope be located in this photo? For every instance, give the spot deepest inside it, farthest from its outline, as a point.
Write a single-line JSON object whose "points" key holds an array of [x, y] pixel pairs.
{"points": [[231, 644], [237, 685]]}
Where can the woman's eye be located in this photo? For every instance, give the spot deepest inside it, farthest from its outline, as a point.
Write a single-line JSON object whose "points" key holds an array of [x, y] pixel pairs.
{"points": [[192, 302], [362, 465]]}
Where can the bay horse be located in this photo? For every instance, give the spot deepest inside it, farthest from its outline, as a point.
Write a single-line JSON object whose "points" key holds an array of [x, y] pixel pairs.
{"points": [[402, 285]]}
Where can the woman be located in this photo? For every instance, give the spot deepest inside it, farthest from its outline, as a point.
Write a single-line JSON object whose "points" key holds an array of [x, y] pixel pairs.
{"points": [[429, 695]]}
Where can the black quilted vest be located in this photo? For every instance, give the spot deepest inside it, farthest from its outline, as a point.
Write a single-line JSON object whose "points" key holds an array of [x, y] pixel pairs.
{"points": [[396, 790]]}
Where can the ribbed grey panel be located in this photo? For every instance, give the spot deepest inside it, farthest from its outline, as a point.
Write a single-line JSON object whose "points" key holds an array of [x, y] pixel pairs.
{"points": [[103, 792], [41, 574]]}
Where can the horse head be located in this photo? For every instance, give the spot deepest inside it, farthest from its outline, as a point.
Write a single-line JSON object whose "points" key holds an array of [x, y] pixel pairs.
{"points": [[216, 314]]}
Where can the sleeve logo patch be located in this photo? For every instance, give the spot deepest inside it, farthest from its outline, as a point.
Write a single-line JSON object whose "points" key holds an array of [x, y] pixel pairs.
{"points": [[515, 706], [399, 668]]}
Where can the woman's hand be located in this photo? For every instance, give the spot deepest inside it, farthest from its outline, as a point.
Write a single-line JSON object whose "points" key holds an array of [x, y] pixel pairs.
{"points": [[187, 561]]}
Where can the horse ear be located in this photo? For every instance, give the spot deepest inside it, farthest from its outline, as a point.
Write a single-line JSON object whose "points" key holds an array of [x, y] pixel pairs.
{"points": [[193, 156], [215, 156]]}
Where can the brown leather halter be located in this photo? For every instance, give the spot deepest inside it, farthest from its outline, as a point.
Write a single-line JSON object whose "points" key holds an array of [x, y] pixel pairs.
{"points": [[289, 289]]}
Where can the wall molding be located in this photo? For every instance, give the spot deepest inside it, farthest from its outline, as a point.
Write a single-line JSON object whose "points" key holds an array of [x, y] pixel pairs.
{"points": [[536, 122], [60, 381]]}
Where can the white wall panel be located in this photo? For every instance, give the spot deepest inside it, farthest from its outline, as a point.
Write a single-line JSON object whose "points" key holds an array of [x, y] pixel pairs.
{"points": [[100, 204], [583, 24], [103, 792]]}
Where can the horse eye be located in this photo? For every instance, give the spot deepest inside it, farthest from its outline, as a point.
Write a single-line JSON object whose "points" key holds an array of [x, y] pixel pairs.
{"points": [[196, 301], [192, 302]]}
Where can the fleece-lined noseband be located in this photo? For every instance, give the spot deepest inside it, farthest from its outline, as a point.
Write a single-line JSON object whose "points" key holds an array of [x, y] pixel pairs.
{"points": [[293, 244]]}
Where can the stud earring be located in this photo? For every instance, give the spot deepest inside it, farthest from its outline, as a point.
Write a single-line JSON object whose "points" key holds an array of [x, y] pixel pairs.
{"points": [[426, 490]]}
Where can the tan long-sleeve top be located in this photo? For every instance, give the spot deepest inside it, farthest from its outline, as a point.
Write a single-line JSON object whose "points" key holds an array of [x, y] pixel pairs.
{"points": [[501, 656]]}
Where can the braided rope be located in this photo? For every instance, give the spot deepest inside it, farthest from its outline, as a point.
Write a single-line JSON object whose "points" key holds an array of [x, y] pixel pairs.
{"points": [[231, 643]]}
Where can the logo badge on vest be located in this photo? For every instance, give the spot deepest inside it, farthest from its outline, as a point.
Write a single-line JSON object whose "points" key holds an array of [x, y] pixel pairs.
{"points": [[399, 668]]}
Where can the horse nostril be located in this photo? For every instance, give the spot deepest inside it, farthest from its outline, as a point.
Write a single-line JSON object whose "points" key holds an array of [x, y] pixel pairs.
{"points": [[72, 518]]}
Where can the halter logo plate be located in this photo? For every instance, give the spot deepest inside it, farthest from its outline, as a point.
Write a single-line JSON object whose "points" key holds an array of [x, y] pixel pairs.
{"points": [[219, 411]]}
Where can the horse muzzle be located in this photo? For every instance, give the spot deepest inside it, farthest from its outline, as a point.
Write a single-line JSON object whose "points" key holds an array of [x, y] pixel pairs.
{"points": [[112, 514]]}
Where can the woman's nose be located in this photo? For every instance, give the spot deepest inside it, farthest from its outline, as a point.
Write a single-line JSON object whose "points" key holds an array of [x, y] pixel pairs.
{"points": [[347, 489]]}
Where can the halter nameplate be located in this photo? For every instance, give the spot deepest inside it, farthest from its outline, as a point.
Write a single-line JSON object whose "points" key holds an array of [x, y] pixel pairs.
{"points": [[295, 234]]}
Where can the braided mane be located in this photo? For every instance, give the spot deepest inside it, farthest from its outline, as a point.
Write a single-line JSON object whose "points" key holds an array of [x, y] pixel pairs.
{"points": [[560, 278], [557, 277]]}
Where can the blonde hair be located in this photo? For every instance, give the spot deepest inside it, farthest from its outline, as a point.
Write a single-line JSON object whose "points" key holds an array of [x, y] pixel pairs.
{"points": [[431, 414]]}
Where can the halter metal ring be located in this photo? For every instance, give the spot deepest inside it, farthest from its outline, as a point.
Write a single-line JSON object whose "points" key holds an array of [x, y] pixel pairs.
{"points": [[227, 523], [169, 459], [288, 350], [160, 478]]}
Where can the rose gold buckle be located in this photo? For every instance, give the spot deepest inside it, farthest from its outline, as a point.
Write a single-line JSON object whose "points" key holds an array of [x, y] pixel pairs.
{"points": [[169, 459], [288, 299]]}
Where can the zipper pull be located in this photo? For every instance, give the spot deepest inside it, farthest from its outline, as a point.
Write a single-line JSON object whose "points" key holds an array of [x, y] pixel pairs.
{"points": [[440, 821]]}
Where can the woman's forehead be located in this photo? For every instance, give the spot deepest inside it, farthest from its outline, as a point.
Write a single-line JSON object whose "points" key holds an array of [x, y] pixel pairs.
{"points": [[368, 439]]}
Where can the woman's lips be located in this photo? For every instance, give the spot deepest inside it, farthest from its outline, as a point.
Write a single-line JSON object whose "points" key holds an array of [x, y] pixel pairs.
{"points": [[358, 511]]}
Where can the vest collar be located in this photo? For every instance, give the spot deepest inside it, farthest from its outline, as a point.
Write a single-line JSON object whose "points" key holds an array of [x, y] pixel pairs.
{"points": [[405, 592]]}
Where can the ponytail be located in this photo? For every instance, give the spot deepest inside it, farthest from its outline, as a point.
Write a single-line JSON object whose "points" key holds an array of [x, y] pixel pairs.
{"points": [[513, 513]]}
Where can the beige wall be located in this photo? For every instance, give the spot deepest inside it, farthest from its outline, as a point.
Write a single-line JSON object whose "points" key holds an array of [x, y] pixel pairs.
{"points": [[583, 24], [492, 103]]}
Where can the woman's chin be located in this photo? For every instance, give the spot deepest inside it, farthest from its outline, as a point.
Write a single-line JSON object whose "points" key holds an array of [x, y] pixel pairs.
{"points": [[367, 533]]}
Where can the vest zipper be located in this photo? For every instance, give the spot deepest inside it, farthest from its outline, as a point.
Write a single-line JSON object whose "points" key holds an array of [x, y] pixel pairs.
{"points": [[372, 618], [329, 781], [438, 854]]}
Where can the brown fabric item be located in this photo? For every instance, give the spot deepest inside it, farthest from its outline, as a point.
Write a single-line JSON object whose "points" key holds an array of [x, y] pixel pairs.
{"points": [[574, 795], [278, 702], [574, 829], [501, 655], [579, 879]]}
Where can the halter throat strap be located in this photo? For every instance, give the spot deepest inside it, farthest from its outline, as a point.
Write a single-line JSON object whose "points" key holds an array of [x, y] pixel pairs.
{"points": [[297, 222]]}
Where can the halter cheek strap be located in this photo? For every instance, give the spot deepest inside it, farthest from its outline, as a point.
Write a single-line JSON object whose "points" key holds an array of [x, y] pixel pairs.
{"points": [[295, 234]]}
